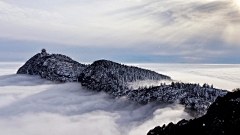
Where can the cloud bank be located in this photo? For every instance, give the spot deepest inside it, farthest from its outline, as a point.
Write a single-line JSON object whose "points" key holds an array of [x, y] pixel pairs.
{"points": [[222, 76], [31, 105]]}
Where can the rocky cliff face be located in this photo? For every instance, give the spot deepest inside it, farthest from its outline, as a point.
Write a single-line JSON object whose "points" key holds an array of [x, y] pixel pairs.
{"points": [[55, 67], [222, 118]]}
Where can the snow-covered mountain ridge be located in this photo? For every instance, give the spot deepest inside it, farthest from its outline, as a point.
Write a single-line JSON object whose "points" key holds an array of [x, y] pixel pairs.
{"points": [[114, 78], [58, 67]]}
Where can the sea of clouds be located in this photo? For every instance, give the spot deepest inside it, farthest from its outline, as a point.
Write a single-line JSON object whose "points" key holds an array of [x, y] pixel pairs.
{"points": [[32, 105], [222, 76]]}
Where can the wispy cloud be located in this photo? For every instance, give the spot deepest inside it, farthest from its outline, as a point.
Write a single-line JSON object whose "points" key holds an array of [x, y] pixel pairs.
{"points": [[193, 58], [179, 27]]}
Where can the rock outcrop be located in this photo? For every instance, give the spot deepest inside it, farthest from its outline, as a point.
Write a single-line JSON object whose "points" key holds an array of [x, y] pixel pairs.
{"points": [[222, 118]]}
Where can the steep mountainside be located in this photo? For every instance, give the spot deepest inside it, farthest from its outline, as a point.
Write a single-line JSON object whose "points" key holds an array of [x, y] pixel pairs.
{"points": [[55, 67], [222, 118]]}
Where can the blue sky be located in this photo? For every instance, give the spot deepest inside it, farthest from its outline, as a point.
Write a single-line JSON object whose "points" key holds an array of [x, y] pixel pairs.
{"points": [[159, 31]]}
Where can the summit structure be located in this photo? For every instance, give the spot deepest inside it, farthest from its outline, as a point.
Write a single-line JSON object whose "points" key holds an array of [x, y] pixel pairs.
{"points": [[43, 51]]}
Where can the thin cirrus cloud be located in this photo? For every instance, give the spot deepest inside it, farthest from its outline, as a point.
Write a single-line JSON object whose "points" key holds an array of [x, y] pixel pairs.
{"points": [[192, 28]]}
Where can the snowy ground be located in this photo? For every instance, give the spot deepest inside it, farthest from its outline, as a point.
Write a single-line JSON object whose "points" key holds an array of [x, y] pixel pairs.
{"points": [[31, 105]]}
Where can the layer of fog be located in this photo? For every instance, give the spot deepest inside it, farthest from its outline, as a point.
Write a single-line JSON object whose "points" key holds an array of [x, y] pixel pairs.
{"points": [[147, 83], [222, 76], [9, 67], [31, 105], [41, 107]]}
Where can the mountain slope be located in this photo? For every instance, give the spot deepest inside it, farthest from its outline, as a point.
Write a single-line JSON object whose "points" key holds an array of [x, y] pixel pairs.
{"points": [[222, 118], [193, 96]]}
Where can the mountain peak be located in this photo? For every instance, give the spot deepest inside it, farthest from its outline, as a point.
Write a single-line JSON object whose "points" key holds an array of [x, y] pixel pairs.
{"points": [[114, 78]]}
